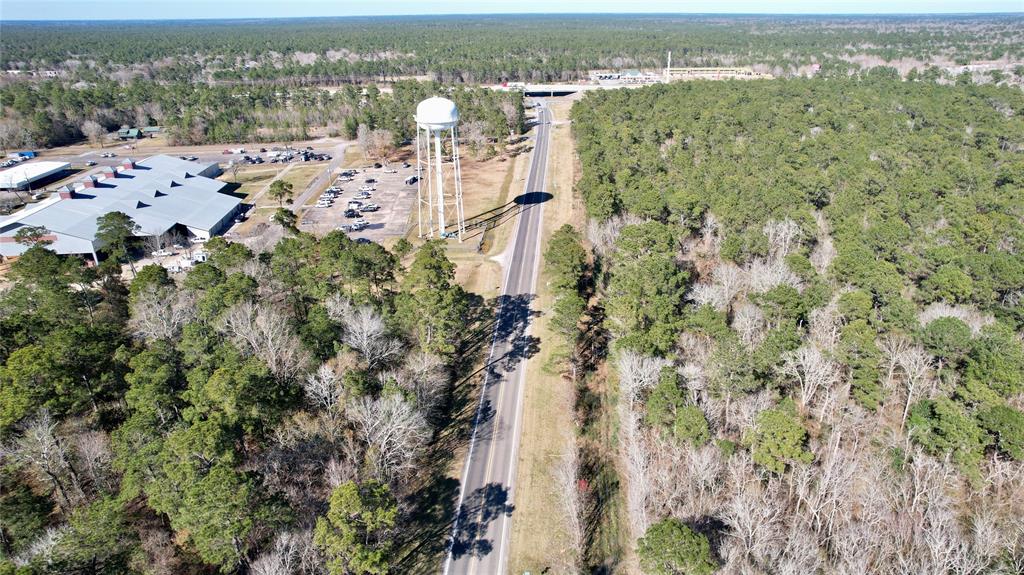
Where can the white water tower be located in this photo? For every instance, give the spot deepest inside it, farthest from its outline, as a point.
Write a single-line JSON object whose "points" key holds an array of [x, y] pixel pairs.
{"points": [[439, 182]]}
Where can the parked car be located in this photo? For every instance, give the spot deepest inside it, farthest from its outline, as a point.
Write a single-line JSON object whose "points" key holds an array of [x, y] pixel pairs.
{"points": [[377, 165], [350, 213], [362, 196], [369, 208], [91, 163], [367, 189], [371, 180], [361, 222], [406, 165], [390, 171]]}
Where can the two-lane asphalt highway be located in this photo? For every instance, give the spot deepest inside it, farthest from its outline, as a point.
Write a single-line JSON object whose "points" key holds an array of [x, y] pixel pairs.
{"points": [[481, 532]]}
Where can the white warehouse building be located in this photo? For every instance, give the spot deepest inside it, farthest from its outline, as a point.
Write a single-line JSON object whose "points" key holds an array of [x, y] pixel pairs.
{"points": [[161, 194], [22, 177]]}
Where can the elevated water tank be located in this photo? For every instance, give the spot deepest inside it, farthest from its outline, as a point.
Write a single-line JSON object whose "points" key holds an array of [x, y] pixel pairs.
{"points": [[437, 113]]}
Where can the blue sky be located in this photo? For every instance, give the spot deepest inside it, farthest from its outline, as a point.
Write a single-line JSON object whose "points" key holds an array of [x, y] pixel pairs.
{"points": [[163, 9]]}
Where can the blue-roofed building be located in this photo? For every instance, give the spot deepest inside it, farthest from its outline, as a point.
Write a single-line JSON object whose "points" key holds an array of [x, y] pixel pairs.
{"points": [[161, 194]]}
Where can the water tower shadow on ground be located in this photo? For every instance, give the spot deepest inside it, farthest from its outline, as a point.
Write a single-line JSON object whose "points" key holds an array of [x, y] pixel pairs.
{"points": [[438, 171]]}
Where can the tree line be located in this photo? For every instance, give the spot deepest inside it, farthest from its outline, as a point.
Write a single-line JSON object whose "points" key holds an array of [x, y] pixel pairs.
{"points": [[272, 412], [55, 112], [475, 49], [814, 292]]}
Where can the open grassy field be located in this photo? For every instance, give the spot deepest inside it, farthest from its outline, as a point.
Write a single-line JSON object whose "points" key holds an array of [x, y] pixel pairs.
{"points": [[252, 180], [256, 180]]}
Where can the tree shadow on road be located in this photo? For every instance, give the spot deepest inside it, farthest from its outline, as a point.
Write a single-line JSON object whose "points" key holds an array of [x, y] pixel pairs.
{"points": [[478, 510]]}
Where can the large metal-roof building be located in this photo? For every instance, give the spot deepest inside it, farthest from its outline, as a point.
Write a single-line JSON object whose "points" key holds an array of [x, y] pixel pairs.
{"points": [[25, 175], [160, 194]]}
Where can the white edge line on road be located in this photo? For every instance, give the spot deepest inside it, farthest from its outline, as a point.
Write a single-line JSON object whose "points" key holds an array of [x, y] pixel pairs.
{"points": [[507, 533], [483, 389]]}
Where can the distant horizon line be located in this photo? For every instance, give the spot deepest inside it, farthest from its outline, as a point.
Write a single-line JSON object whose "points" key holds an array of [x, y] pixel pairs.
{"points": [[518, 14]]}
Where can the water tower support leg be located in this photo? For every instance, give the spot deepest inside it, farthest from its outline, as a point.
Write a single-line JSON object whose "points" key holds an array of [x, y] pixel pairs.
{"points": [[440, 184]]}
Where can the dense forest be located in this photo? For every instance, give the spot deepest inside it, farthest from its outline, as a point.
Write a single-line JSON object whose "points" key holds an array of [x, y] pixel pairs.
{"points": [[814, 293], [292, 411], [54, 113], [475, 49]]}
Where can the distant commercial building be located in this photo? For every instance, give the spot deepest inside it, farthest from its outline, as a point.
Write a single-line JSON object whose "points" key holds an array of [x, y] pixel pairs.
{"points": [[24, 176], [129, 134], [624, 77], [161, 194]]}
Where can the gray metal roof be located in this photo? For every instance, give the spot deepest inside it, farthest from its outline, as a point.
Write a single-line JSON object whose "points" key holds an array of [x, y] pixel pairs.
{"points": [[157, 193]]}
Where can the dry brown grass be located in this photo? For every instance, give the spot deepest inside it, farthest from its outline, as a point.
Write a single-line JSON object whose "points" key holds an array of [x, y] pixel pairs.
{"points": [[538, 537], [255, 179], [251, 180]]}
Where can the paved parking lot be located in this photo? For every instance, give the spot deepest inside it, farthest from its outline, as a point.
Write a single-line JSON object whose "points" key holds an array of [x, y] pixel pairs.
{"points": [[396, 200]]}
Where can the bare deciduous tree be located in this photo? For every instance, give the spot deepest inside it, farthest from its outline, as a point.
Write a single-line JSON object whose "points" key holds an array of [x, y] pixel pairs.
{"points": [[783, 237], [602, 234], [812, 370], [363, 138], [94, 132], [422, 375], [157, 242], [475, 135], [636, 373], [324, 389], [393, 432], [764, 275], [565, 475], [915, 363], [756, 523], [710, 236], [160, 313], [748, 321], [967, 314], [727, 281], [48, 456], [892, 346], [41, 549], [293, 553], [264, 332], [685, 482], [94, 459], [511, 112], [376, 144], [824, 324], [364, 330], [14, 134]]}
